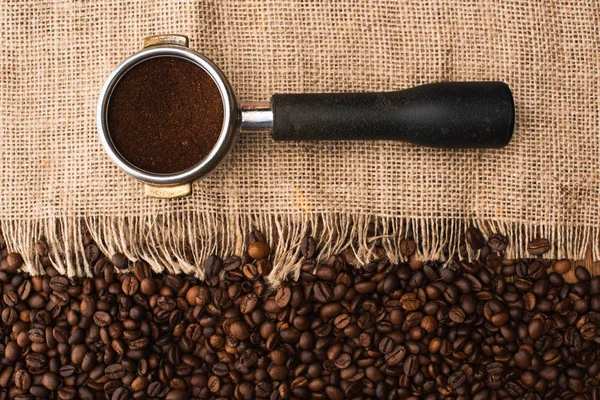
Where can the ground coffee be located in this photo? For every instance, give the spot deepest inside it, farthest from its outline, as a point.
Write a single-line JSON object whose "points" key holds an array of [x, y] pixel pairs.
{"points": [[165, 115]]}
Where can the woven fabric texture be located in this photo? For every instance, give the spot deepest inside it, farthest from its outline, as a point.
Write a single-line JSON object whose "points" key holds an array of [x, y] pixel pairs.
{"points": [[56, 181]]}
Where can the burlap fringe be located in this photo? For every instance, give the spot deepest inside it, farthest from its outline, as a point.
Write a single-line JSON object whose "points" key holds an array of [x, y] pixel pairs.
{"points": [[180, 242]]}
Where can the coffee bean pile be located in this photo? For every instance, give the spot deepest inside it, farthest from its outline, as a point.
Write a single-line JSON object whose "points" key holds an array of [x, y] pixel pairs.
{"points": [[487, 329]]}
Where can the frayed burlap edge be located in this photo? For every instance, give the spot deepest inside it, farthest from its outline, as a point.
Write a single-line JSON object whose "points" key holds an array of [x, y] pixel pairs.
{"points": [[181, 242]]}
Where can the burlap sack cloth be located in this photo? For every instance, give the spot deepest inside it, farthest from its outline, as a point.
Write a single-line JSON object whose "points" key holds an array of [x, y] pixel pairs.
{"points": [[56, 180]]}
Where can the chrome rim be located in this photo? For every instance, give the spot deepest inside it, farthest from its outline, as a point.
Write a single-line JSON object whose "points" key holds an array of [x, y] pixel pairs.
{"points": [[228, 131]]}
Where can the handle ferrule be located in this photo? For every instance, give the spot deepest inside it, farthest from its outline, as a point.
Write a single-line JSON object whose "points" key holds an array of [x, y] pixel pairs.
{"points": [[256, 117]]}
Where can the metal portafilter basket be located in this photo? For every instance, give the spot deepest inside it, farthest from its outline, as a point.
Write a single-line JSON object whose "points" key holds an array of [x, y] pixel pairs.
{"points": [[444, 114]]}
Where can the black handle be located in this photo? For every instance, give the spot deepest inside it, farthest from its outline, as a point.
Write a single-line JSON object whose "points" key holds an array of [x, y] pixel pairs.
{"points": [[445, 114]]}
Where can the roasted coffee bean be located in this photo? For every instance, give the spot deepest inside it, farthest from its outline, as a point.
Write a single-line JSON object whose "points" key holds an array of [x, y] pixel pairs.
{"points": [[41, 247], [429, 324], [91, 253], [87, 308], [588, 331], [331, 310], [60, 334], [191, 296], [130, 285], [10, 298], [327, 273], [59, 298], [39, 391], [537, 247], [411, 365], [551, 357], [264, 267], [283, 296], [323, 292], [140, 343], [308, 247], [278, 373], [67, 393], [263, 389], [35, 361], [342, 321], [12, 351], [515, 390], [37, 335], [239, 330], [212, 266], [530, 301], [154, 389], [67, 370], [343, 361], [102, 318], [408, 247], [475, 238], [214, 384], [457, 379], [9, 316], [549, 373], [562, 266], [395, 356], [410, 302], [166, 303], [119, 261], [582, 274], [59, 283], [114, 371], [536, 328], [148, 287], [248, 303], [232, 263], [250, 272], [24, 290], [100, 266], [457, 315], [258, 250], [141, 270], [5, 376], [178, 394], [498, 242], [220, 369], [13, 262], [51, 381], [120, 394], [386, 345], [22, 379], [523, 359]]}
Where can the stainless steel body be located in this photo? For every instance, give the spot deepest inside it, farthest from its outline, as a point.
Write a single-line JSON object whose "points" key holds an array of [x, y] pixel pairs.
{"points": [[175, 184]]}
